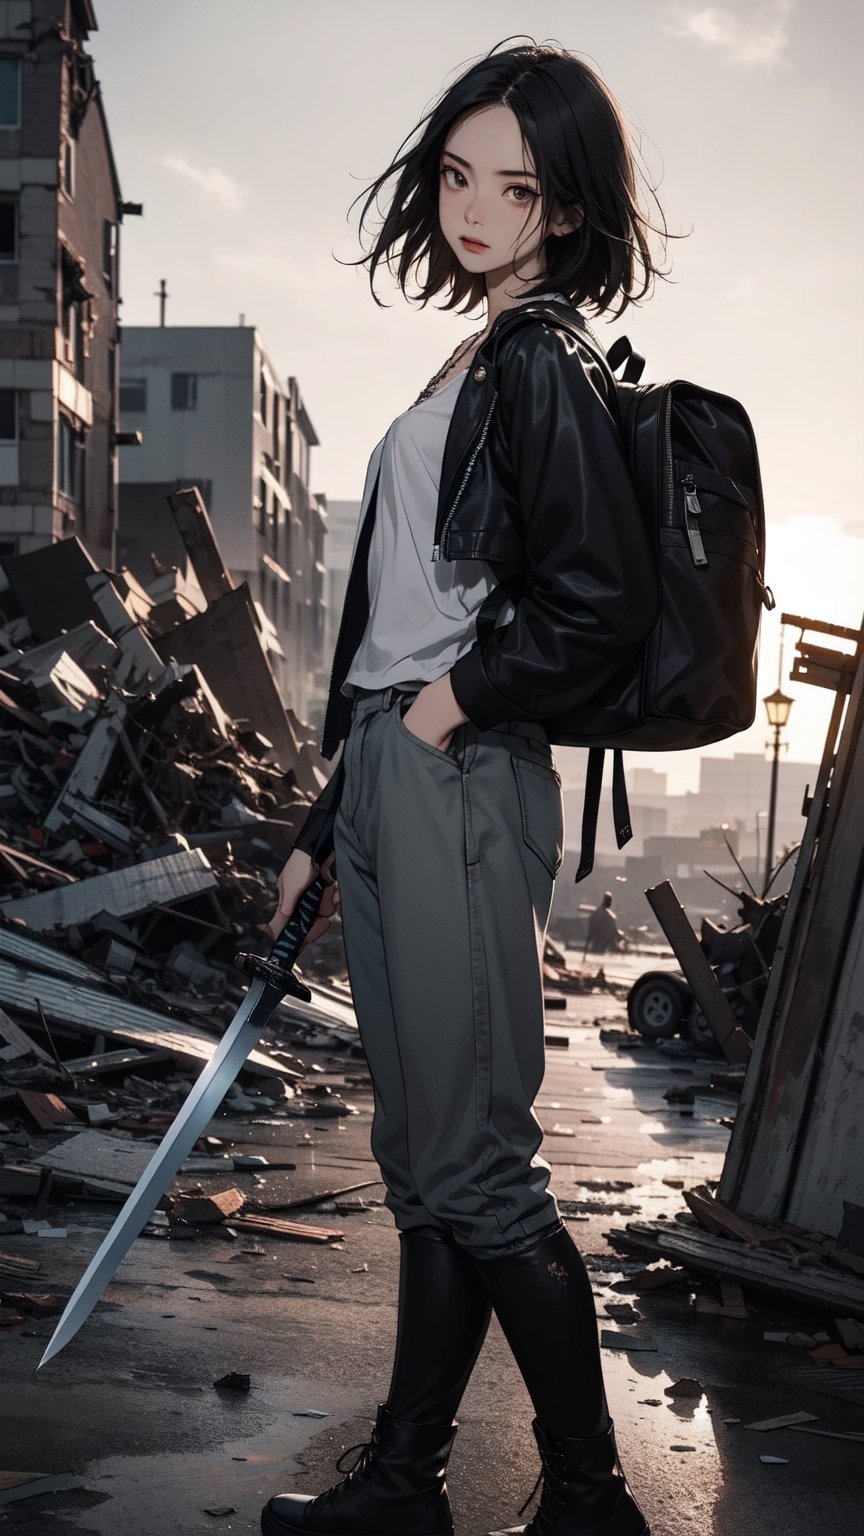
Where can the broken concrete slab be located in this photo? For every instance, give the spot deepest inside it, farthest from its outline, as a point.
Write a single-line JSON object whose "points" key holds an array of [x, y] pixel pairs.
{"points": [[50, 587], [92, 763], [226, 643], [196, 530]]}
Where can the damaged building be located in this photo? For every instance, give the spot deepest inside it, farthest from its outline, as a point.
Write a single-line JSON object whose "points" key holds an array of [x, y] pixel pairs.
{"points": [[61, 212], [208, 408]]}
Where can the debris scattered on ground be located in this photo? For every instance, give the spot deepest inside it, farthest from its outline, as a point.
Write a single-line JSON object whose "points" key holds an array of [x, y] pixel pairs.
{"points": [[235, 1381], [783, 1421], [686, 1386], [611, 1338]]}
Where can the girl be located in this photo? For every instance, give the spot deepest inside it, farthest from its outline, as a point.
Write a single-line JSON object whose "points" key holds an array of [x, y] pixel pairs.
{"points": [[502, 493]]}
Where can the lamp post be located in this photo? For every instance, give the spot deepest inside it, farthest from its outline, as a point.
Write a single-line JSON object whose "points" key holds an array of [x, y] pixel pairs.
{"points": [[778, 707]]}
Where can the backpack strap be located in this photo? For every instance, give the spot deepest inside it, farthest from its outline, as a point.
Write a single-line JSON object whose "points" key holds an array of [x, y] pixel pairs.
{"points": [[591, 806], [621, 349]]}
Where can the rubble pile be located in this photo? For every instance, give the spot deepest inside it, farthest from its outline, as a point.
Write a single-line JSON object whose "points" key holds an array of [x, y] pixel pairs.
{"points": [[143, 822]]}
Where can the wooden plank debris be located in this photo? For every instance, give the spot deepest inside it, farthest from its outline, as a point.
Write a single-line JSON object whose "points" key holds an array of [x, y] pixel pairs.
{"points": [[206, 1210], [19, 946], [272, 1226], [14, 1264], [94, 1012], [49, 1111], [764, 1269], [123, 892]]}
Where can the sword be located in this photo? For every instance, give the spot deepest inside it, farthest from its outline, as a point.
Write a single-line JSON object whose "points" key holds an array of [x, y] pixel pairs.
{"points": [[272, 978]]}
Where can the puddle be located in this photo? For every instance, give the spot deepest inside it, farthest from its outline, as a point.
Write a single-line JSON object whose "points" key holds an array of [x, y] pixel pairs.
{"points": [[171, 1492]]}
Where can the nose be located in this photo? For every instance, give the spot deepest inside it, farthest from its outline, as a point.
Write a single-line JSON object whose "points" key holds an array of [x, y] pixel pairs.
{"points": [[471, 215]]}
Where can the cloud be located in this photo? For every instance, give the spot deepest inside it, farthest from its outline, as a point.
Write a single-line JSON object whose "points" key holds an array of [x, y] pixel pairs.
{"points": [[218, 186], [756, 37]]}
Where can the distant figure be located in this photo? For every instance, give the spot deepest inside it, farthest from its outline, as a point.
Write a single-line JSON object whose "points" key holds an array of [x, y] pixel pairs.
{"points": [[603, 930]]}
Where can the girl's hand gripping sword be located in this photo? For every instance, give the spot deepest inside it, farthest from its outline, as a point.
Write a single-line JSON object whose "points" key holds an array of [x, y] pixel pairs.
{"points": [[272, 978]]}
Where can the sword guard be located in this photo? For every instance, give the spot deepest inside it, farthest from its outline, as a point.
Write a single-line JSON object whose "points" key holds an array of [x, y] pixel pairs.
{"points": [[271, 973]]}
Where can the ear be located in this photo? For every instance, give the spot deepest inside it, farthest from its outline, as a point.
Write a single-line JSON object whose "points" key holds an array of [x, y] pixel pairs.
{"points": [[564, 223]]}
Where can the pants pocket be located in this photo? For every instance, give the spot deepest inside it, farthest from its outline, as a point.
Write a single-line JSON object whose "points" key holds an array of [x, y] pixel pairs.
{"points": [[541, 806], [400, 708]]}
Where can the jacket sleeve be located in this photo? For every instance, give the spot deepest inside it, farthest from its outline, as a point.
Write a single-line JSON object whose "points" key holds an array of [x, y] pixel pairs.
{"points": [[592, 586], [318, 811]]}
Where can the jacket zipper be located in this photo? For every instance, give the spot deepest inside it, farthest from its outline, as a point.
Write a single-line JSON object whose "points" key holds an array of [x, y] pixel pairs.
{"points": [[436, 549], [669, 484]]}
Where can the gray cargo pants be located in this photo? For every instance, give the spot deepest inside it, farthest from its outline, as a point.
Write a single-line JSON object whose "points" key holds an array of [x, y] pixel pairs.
{"points": [[446, 863]]}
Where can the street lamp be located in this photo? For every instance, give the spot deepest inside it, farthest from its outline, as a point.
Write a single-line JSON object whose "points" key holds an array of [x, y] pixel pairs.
{"points": [[778, 707]]}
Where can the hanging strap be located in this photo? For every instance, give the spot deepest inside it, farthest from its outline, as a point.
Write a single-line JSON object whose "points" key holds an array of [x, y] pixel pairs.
{"points": [[591, 807], [621, 349]]}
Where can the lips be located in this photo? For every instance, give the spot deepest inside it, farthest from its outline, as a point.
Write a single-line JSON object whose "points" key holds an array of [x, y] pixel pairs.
{"points": [[478, 245]]}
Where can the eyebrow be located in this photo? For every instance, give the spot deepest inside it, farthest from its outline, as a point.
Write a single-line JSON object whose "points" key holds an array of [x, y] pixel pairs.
{"points": [[495, 173]]}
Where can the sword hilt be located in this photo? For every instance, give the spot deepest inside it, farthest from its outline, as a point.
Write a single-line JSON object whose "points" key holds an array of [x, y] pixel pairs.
{"points": [[277, 968]]}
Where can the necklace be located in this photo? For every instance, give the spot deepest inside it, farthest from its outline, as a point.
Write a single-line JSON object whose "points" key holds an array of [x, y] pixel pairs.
{"points": [[448, 367], [442, 372]]}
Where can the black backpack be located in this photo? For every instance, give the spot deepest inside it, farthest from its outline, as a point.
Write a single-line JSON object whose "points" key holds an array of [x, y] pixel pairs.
{"points": [[693, 457]]}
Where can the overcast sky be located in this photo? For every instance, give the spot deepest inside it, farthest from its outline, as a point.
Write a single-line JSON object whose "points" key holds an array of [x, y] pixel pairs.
{"points": [[246, 131]]}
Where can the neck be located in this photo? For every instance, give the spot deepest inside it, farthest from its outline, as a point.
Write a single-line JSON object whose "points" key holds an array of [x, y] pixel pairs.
{"points": [[498, 302]]}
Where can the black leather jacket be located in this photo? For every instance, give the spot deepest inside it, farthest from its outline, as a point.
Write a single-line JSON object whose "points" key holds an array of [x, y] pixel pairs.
{"points": [[534, 481]]}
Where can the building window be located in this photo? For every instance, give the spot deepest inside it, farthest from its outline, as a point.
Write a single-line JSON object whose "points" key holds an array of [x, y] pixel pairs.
{"points": [[70, 456], [10, 93], [184, 391], [133, 395], [262, 396], [8, 416], [109, 253], [261, 505], [72, 336], [8, 230], [67, 166]]}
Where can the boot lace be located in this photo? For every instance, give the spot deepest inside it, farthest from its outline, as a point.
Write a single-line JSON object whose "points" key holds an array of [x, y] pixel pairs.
{"points": [[554, 1499], [354, 1474], [552, 1502]]}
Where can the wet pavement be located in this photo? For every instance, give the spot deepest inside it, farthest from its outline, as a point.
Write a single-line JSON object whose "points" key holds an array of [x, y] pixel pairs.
{"points": [[129, 1411]]}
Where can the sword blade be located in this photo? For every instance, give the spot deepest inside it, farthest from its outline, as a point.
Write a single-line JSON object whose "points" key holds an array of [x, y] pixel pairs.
{"points": [[239, 1039]]}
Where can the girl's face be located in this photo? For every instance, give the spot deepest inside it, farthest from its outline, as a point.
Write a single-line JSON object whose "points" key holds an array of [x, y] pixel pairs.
{"points": [[485, 197]]}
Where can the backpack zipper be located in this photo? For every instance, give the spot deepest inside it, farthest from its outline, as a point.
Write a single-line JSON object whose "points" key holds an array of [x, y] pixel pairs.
{"points": [[692, 513], [436, 550], [692, 509]]}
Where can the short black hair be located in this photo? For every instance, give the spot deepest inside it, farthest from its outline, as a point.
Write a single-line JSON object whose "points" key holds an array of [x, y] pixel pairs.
{"points": [[574, 129]]}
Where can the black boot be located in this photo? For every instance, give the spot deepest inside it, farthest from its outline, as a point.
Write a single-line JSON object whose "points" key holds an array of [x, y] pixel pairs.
{"points": [[585, 1492], [398, 1486], [543, 1300]]}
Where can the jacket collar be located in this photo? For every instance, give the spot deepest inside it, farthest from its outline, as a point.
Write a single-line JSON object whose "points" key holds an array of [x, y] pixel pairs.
{"points": [[475, 402]]}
